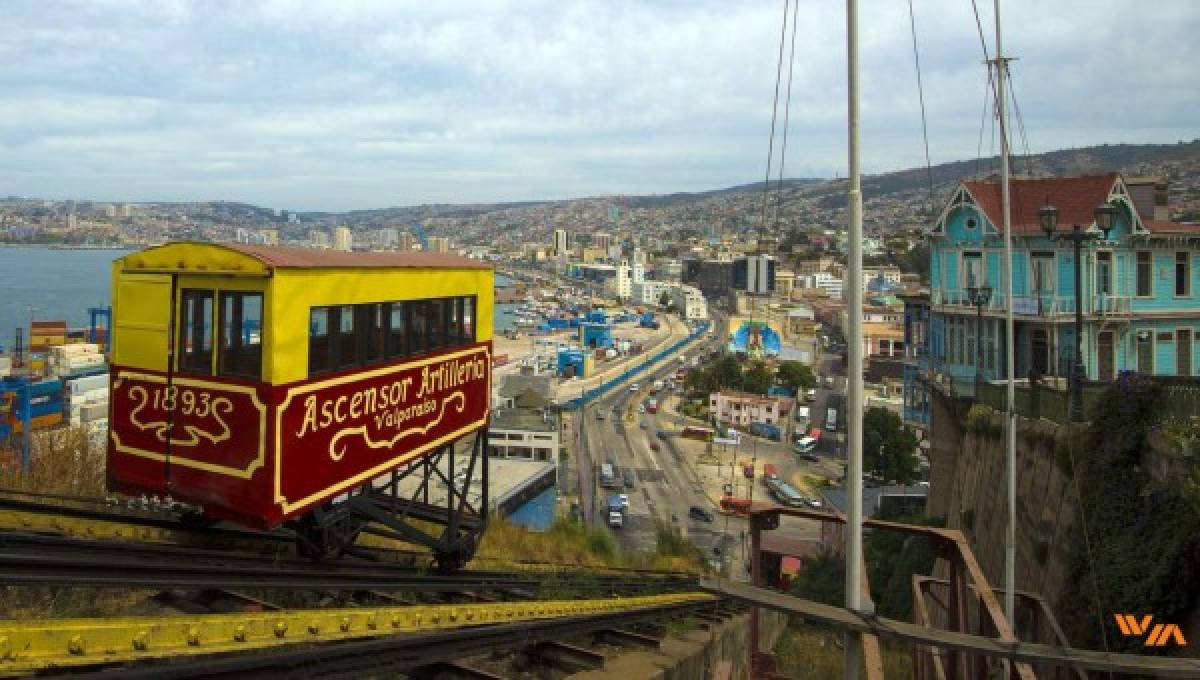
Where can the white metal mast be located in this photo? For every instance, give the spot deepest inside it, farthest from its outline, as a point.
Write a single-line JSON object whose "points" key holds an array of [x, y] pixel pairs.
{"points": [[1010, 430], [854, 377]]}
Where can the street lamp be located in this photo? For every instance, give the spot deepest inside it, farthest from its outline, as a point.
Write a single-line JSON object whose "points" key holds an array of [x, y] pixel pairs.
{"points": [[1106, 217], [979, 296]]}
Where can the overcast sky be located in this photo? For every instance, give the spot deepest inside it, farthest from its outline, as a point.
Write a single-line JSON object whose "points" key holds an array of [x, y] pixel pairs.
{"points": [[342, 104]]}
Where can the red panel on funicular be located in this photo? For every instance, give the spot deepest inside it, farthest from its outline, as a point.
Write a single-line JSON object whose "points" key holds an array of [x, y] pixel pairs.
{"points": [[260, 454]]}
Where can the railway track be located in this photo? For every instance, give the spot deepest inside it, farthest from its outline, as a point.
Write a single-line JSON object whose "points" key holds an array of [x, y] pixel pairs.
{"points": [[401, 614]]}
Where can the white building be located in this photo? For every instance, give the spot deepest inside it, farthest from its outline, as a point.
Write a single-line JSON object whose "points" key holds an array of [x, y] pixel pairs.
{"points": [[741, 408], [343, 239], [389, 237], [689, 302], [561, 242], [622, 283], [832, 285], [648, 292]]}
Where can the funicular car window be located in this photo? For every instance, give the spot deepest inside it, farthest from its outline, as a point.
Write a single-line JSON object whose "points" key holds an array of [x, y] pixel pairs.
{"points": [[241, 334], [344, 336], [397, 330], [195, 332]]}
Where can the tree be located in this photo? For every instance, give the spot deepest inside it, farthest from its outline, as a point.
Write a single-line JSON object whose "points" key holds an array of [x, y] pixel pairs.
{"points": [[727, 372], [701, 381], [889, 447], [757, 378], [795, 375], [664, 300]]}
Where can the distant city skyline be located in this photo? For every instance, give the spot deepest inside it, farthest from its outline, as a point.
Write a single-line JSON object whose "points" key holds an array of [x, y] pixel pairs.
{"points": [[353, 105]]}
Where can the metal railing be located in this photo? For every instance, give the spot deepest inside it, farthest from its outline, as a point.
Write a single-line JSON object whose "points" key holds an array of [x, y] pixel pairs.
{"points": [[1042, 305]]}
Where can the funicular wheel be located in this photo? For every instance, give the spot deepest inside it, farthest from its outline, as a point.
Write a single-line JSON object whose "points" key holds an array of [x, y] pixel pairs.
{"points": [[458, 557], [326, 533]]}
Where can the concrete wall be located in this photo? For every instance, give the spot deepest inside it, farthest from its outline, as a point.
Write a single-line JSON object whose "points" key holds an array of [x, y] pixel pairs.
{"points": [[967, 487]]}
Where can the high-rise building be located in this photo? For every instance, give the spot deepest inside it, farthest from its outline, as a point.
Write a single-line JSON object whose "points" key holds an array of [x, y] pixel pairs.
{"points": [[389, 237], [439, 244], [561, 243], [406, 241], [602, 241], [343, 238]]}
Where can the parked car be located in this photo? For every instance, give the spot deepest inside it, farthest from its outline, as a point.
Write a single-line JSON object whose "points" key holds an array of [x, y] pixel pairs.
{"points": [[644, 425], [624, 501], [662, 434], [599, 415], [698, 513], [654, 446]]}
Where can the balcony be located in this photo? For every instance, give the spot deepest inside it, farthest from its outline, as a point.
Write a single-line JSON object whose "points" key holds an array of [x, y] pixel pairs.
{"points": [[1041, 306]]}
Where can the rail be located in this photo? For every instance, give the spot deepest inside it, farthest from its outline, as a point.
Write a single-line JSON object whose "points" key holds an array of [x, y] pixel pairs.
{"points": [[37, 645], [1002, 650]]}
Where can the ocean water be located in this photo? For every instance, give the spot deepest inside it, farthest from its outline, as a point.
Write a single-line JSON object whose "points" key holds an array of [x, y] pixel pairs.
{"points": [[56, 285]]}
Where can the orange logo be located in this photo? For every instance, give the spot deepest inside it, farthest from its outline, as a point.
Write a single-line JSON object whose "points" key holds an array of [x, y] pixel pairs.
{"points": [[1160, 634]]}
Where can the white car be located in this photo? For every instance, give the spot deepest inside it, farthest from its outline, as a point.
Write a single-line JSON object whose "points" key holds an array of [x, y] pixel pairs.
{"points": [[624, 498], [634, 387], [641, 408]]}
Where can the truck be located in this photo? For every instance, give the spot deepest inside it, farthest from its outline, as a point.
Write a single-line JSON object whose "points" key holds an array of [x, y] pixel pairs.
{"points": [[766, 430], [652, 406]]}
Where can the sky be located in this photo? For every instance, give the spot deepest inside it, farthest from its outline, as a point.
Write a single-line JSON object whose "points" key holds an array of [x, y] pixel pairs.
{"points": [[357, 104]]}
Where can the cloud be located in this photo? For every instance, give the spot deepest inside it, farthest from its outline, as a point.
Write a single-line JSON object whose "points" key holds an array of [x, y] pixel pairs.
{"points": [[338, 105]]}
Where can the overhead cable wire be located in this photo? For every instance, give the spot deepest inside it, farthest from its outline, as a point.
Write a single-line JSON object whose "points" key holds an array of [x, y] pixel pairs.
{"points": [[912, 22], [1020, 123], [787, 115], [979, 27], [774, 112], [987, 100]]}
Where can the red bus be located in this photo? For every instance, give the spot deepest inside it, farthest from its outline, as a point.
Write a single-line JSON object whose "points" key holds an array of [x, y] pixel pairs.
{"points": [[739, 507]]}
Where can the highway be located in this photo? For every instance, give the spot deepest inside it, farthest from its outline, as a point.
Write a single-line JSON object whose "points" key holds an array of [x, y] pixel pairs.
{"points": [[664, 487]]}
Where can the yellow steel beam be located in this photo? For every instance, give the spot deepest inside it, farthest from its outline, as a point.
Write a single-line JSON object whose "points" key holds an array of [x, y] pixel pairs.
{"points": [[40, 644], [85, 527]]}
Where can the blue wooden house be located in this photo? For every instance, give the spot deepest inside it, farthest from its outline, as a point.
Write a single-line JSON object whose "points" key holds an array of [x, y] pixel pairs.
{"points": [[1140, 285]]}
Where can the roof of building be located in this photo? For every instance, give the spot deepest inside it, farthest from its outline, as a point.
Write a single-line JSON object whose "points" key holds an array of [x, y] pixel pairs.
{"points": [[312, 258], [515, 385], [529, 419], [1168, 227], [871, 496], [748, 396], [224, 258], [1075, 197]]}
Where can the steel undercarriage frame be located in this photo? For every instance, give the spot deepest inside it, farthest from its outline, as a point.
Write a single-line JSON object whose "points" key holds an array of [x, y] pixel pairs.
{"points": [[391, 513]]}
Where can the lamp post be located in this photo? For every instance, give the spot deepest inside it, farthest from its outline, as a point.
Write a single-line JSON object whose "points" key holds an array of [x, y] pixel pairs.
{"points": [[1106, 216], [979, 296]]}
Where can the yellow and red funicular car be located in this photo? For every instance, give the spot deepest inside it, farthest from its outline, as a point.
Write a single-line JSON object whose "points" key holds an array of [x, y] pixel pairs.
{"points": [[261, 382]]}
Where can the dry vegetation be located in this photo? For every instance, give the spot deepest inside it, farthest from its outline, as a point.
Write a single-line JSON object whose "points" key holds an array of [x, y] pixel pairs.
{"points": [[812, 653], [62, 462]]}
